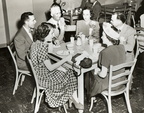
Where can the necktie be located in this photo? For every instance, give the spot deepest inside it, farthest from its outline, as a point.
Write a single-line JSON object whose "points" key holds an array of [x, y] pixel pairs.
{"points": [[119, 31], [58, 27], [30, 34]]}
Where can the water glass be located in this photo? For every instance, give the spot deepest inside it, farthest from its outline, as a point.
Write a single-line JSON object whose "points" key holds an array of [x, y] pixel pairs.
{"points": [[72, 40]]}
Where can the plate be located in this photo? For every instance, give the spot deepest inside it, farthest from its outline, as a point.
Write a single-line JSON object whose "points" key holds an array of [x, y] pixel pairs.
{"points": [[63, 52], [56, 46]]}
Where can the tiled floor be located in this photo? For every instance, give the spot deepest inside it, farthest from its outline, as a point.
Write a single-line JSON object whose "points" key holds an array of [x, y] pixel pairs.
{"points": [[20, 102]]}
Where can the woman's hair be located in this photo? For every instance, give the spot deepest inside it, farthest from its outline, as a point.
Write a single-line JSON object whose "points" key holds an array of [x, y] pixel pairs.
{"points": [[121, 16], [42, 31], [85, 8], [114, 42]]}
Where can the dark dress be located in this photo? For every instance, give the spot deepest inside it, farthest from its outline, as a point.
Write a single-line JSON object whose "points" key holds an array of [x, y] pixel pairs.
{"points": [[112, 55], [139, 12], [59, 85]]}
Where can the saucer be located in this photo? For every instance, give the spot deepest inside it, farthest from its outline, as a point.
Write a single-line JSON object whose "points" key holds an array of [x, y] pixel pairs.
{"points": [[63, 52]]}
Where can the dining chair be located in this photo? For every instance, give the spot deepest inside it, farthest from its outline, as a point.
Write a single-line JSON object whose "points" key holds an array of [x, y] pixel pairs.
{"points": [[20, 74], [123, 84], [70, 28], [38, 90], [142, 20]]}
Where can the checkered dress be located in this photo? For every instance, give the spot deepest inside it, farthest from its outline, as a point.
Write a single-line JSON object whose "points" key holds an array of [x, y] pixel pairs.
{"points": [[59, 85]]}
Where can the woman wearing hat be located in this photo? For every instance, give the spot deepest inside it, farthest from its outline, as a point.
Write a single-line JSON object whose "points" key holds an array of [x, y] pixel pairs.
{"points": [[113, 54]]}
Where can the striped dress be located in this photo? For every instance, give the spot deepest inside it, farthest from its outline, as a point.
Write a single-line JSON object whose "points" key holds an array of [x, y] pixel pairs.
{"points": [[59, 85]]}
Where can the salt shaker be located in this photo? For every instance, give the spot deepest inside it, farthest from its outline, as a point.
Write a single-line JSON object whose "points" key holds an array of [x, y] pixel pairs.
{"points": [[79, 41]]}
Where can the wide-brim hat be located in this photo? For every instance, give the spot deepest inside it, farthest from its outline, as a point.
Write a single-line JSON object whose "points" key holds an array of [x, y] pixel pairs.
{"points": [[107, 28]]}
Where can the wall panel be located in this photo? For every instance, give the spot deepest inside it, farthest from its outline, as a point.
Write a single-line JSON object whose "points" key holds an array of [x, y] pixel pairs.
{"points": [[2, 27], [14, 9], [39, 8]]}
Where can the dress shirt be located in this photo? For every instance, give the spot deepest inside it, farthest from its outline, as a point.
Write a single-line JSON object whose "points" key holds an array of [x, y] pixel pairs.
{"points": [[57, 30], [29, 33], [120, 28]]}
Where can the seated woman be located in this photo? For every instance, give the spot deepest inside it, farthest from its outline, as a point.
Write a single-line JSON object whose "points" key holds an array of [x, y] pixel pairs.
{"points": [[113, 54], [87, 26], [60, 82]]}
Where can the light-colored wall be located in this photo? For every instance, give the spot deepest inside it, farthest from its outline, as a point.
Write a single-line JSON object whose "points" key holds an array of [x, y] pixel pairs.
{"points": [[2, 27], [71, 4], [39, 9], [14, 9]]}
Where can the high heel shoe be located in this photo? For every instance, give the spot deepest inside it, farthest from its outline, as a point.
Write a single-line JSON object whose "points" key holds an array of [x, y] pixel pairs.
{"points": [[77, 105]]}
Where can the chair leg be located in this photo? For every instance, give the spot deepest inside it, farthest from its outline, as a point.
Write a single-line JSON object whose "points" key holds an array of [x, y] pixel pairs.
{"points": [[34, 95], [128, 102], [19, 78], [109, 106], [38, 100], [91, 106], [36, 103], [131, 82], [65, 109], [22, 79], [40, 97], [16, 83], [15, 87]]}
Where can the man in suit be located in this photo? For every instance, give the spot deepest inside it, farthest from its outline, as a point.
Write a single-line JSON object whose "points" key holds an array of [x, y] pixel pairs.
{"points": [[85, 4], [24, 39], [95, 9], [126, 32]]}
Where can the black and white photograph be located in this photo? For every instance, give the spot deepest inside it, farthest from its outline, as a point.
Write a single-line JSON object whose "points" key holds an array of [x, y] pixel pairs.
{"points": [[71, 56]]}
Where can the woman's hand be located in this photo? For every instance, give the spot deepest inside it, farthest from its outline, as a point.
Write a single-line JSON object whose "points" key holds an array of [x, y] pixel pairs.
{"points": [[62, 24], [56, 42], [96, 71]]}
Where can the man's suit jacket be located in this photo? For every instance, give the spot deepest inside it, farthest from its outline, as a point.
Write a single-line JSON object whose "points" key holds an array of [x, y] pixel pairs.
{"points": [[85, 4], [128, 33], [96, 10], [22, 44]]}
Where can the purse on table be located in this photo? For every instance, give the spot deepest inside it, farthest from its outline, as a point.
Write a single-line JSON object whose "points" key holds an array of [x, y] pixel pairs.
{"points": [[83, 62]]}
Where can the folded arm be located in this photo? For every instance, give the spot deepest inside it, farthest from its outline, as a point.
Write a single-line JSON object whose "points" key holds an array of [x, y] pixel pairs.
{"points": [[51, 66]]}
